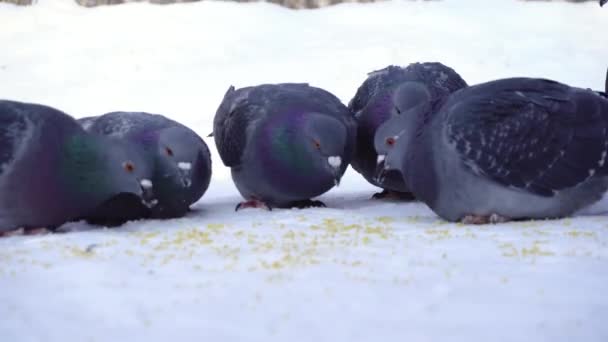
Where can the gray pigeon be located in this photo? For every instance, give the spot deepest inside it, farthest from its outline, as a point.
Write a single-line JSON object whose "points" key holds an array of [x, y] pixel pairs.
{"points": [[385, 94], [518, 148], [52, 171], [178, 160], [285, 143]]}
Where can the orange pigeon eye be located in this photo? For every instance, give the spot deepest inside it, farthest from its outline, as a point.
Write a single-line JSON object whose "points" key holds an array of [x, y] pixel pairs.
{"points": [[128, 166], [169, 151], [317, 144], [390, 141]]}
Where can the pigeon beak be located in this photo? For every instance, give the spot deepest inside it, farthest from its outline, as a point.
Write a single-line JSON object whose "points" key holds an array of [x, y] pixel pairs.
{"points": [[147, 197], [381, 168], [184, 171], [210, 135], [336, 163]]}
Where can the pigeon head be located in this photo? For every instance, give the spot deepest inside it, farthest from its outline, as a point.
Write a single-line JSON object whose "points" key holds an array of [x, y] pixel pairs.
{"points": [[179, 161], [408, 95], [96, 169], [325, 139], [178, 152], [402, 128], [393, 138], [391, 102], [388, 136]]}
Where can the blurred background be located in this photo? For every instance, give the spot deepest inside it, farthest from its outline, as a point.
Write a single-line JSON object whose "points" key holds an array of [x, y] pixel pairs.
{"points": [[296, 4]]}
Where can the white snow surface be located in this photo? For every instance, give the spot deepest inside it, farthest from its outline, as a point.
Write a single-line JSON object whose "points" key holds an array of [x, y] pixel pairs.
{"points": [[359, 270]]}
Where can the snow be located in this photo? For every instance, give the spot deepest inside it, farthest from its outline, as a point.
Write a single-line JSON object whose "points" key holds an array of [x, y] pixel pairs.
{"points": [[359, 270]]}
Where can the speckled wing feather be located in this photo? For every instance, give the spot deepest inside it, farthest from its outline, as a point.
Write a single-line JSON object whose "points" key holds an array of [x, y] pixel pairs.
{"points": [[12, 134], [376, 80], [532, 134], [119, 124], [230, 124], [439, 78]]}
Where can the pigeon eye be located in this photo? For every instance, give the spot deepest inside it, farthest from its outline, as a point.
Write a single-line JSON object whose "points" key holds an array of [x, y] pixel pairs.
{"points": [[317, 144], [390, 141], [169, 151], [128, 166]]}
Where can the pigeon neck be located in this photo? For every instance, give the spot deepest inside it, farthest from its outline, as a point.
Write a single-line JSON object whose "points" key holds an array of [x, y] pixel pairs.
{"points": [[82, 169]]}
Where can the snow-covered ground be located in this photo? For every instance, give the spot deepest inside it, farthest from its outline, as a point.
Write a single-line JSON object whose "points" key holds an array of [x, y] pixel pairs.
{"points": [[359, 270]]}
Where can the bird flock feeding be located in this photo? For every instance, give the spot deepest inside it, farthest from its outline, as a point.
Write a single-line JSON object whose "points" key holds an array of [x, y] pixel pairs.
{"points": [[508, 149]]}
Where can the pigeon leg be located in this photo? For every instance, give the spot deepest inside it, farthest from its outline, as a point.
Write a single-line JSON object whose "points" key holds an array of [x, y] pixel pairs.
{"points": [[394, 195], [481, 219], [37, 231], [253, 203], [14, 232], [307, 204], [26, 231]]}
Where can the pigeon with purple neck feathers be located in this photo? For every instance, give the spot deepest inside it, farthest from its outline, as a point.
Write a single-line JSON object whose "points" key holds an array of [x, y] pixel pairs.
{"points": [[177, 159], [285, 143], [518, 148], [52, 171], [384, 94]]}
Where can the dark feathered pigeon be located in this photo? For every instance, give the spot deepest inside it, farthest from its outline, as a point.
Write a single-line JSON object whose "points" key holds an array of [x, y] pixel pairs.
{"points": [[515, 148], [52, 171], [285, 143], [178, 160], [385, 94], [603, 2]]}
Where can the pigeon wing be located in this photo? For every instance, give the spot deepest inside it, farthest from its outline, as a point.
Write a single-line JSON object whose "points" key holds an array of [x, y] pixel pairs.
{"points": [[531, 134]]}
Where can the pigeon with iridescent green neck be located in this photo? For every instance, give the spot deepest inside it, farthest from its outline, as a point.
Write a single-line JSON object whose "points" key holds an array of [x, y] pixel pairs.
{"points": [[177, 158], [385, 94], [285, 143], [52, 171]]}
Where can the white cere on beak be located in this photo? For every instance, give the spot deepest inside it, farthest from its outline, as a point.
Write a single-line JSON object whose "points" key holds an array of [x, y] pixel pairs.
{"points": [[334, 161], [146, 183], [184, 166], [150, 204], [381, 158]]}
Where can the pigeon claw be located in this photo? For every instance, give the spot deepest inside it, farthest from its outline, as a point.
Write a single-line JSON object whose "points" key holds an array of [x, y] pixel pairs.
{"points": [[254, 203], [307, 204], [394, 195], [484, 219]]}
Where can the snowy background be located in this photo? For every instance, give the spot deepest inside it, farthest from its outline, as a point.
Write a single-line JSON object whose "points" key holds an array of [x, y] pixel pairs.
{"points": [[359, 270]]}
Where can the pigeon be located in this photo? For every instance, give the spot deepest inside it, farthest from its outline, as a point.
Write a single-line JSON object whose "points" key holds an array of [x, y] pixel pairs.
{"points": [[52, 171], [387, 93], [603, 2], [177, 159], [285, 143], [510, 149]]}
